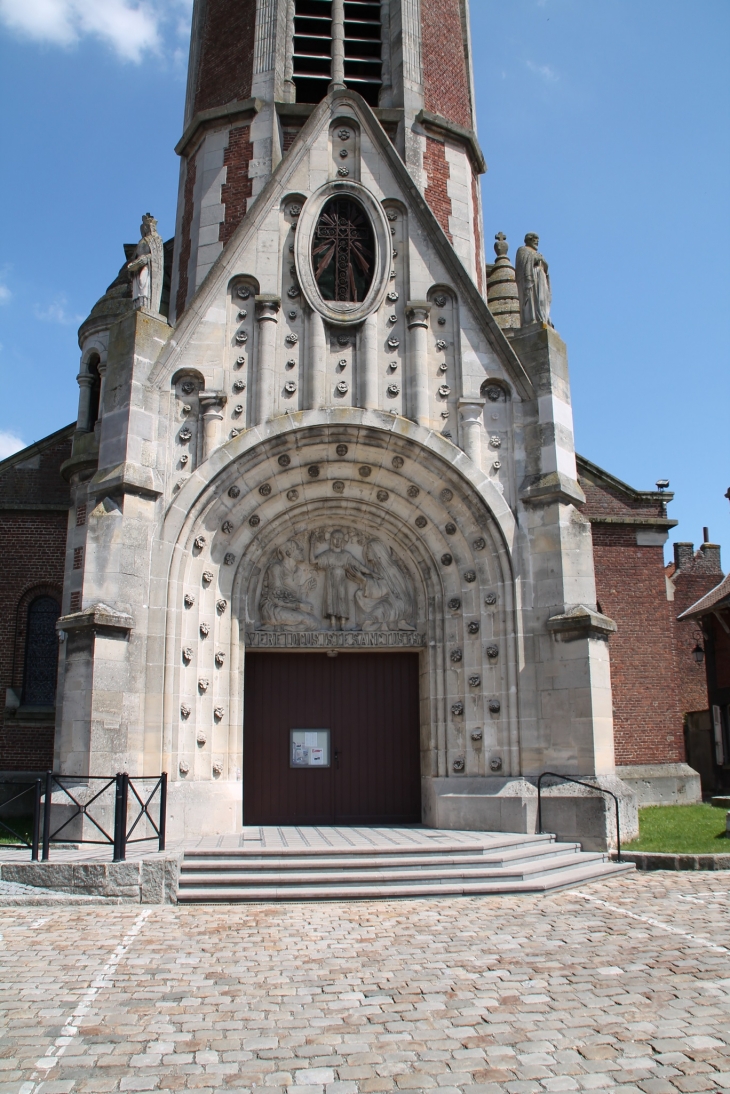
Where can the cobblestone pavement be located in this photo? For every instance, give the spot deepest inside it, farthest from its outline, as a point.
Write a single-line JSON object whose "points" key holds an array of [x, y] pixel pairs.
{"points": [[622, 986]]}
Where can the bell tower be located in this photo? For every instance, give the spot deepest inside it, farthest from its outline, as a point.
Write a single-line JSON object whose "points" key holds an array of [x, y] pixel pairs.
{"points": [[257, 70]]}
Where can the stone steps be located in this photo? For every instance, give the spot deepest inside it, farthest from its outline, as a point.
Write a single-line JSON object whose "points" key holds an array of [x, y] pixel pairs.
{"points": [[497, 864]]}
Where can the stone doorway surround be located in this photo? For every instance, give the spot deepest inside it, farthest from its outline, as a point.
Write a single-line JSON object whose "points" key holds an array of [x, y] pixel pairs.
{"points": [[388, 480]]}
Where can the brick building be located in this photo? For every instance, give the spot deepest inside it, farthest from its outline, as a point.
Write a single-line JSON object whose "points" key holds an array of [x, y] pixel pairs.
{"points": [[321, 430], [706, 625], [34, 505]]}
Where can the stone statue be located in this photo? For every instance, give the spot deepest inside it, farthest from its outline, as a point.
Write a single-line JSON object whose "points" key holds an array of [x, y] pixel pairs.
{"points": [[339, 565], [533, 283], [282, 602], [385, 597], [146, 267]]}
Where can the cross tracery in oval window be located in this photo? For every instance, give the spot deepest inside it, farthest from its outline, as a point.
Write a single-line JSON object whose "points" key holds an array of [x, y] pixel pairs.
{"points": [[343, 251]]}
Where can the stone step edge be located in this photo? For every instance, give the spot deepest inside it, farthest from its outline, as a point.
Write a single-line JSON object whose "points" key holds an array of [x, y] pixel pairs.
{"points": [[352, 877], [244, 861], [448, 848], [559, 880]]}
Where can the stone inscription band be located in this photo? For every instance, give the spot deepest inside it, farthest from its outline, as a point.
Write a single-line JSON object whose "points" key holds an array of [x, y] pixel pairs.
{"points": [[328, 640]]}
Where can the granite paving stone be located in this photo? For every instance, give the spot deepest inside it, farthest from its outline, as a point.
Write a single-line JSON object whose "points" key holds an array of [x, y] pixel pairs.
{"points": [[622, 986]]}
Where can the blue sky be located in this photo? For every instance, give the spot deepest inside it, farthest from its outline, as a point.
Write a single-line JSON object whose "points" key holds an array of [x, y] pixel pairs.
{"points": [[605, 127]]}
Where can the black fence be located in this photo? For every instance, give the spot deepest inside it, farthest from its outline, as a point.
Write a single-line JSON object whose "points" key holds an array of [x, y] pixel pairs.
{"points": [[21, 806], [578, 782], [133, 807]]}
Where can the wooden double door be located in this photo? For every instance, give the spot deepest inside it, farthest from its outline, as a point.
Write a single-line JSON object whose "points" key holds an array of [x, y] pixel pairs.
{"points": [[369, 704]]}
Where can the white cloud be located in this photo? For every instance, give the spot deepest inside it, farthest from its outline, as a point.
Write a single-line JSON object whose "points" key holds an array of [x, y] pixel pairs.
{"points": [[55, 312], [545, 72], [5, 293], [9, 443], [131, 27]]}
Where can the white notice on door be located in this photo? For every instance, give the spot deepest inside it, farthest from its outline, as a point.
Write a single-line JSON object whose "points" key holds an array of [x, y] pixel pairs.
{"points": [[309, 748]]}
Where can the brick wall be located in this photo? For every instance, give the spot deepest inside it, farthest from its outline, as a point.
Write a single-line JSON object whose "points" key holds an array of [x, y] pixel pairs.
{"points": [[692, 575], [185, 229], [445, 78], [32, 548], [237, 188], [631, 589], [438, 174], [225, 66]]}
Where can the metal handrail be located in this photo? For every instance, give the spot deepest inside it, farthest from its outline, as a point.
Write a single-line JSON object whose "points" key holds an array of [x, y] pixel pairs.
{"points": [[578, 782], [35, 789]]}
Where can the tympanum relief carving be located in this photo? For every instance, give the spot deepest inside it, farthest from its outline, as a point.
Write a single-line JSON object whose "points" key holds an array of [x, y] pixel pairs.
{"points": [[335, 579]]}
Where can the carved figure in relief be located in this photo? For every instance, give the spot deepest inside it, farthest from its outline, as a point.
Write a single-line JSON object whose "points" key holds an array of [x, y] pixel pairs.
{"points": [[339, 566], [146, 267], [385, 597], [283, 602], [533, 283]]}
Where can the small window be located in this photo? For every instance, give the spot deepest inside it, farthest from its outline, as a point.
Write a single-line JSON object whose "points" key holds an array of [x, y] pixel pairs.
{"points": [[94, 392], [41, 653], [343, 250]]}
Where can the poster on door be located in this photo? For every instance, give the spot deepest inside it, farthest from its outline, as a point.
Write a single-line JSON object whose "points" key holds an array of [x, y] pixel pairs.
{"points": [[309, 748]]}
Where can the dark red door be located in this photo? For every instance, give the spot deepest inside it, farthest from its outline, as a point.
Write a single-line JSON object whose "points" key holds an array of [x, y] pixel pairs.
{"points": [[369, 702]]}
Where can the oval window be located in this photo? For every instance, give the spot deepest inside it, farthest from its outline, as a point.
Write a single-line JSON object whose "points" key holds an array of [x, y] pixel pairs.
{"points": [[343, 251]]}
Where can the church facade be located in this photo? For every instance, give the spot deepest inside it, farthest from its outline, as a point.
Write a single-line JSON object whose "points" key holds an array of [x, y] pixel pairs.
{"points": [[326, 560]]}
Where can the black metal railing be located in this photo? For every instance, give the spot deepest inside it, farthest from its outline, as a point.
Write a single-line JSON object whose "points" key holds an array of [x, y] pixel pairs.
{"points": [[578, 782], [137, 813], [28, 796]]}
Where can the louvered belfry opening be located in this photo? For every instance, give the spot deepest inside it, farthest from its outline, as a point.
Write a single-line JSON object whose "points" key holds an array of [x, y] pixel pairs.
{"points": [[313, 49], [362, 49]]}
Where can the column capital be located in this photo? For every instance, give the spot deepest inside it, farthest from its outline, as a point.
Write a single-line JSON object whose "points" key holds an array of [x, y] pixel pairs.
{"points": [[417, 313], [267, 306], [85, 379], [470, 409], [212, 403]]}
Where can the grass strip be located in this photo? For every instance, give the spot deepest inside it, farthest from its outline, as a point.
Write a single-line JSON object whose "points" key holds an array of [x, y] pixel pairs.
{"points": [[682, 829]]}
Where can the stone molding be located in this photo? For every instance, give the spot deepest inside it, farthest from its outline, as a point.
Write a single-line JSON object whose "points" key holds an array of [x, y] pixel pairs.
{"points": [[97, 618], [445, 128], [555, 486], [126, 478], [651, 522], [216, 114], [580, 622], [335, 311]]}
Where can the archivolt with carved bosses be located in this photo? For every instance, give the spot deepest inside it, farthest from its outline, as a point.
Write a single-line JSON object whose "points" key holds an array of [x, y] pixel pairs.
{"points": [[276, 556]]}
